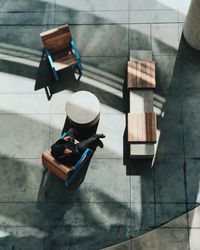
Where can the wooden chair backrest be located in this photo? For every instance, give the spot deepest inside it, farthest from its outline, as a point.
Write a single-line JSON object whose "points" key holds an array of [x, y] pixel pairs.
{"points": [[57, 39]]}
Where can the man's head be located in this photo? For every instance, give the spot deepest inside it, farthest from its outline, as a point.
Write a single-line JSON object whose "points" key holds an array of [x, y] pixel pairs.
{"points": [[60, 151]]}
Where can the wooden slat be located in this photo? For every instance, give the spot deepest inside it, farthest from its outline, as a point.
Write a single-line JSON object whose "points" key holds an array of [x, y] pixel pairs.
{"points": [[141, 74], [142, 127]]}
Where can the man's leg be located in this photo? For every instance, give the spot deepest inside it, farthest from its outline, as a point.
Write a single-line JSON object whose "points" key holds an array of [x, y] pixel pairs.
{"points": [[93, 142]]}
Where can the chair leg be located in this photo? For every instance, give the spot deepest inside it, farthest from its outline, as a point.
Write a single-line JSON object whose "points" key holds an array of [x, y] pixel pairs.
{"points": [[80, 71], [48, 92]]}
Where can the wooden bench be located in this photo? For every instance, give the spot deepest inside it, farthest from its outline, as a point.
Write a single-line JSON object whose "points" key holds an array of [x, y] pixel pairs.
{"points": [[142, 127], [141, 121]]}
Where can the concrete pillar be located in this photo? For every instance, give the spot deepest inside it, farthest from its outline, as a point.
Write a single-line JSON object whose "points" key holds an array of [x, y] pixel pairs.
{"points": [[191, 29]]}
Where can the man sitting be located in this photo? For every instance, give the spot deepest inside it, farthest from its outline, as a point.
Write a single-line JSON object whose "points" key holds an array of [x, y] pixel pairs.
{"points": [[69, 150]]}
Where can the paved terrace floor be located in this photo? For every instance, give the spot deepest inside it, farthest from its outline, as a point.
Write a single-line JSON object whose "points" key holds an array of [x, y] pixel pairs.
{"points": [[115, 202]]}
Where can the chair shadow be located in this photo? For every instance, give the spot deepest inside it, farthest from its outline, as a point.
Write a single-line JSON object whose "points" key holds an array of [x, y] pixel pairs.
{"points": [[45, 78]]}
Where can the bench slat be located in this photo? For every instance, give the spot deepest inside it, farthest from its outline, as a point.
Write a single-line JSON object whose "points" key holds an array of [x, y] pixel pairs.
{"points": [[141, 74], [142, 127]]}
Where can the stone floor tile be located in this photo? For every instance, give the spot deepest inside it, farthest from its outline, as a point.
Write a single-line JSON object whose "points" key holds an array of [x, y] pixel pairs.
{"points": [[190, 62], [113, 142], [170, 141], [31, 237], [192, 178], [22, 214], [165, 39], [88, 214], [158, 16], [191, 103], [85, 237], [110, 70], [20, 18], [24, 104], [183, 4], [92, 45], [169, 181], [139, 37], [21, 237], [194, 238], [97, 186], [126, 245], [30, 135], [91, 17], [168, 212], [15, 81], [167, 103], [142, 187], [153, 5], [191, 132], [24, 177], [11, 5], [162, 238], [142, 215], [56, 125], [23, 37], [194, 216], [167, 74], [82, 5]]}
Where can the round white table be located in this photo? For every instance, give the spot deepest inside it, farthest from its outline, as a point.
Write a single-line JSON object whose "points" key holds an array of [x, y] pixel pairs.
{"points": [[83, 109], [83, 113]]}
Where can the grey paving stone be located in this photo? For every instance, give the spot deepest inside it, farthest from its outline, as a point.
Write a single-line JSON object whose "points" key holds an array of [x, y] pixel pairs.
{"points": [[83, 5], [31, 237], [88, 214], [183, 4], [190, 62], [191, 135], [194, 241], [158, 16], [85, 237], [153, 5], [97, 186], [30, 5], [23, 180], [167, 74], [24, 136], [167, 103], [141, 55], [91, 17], [15, 78], [27, 18], [113, 126], [8, 238], [125, 245], [142, 216], [170, 142], [192, 178], [165, 212], [139, 37], [105, 68], [23, 36], [169, 181], [101, 40], [191, 103], [194, 216], [165, 39], [24, 104], [163, 238], [22, 214], [142, 187]]}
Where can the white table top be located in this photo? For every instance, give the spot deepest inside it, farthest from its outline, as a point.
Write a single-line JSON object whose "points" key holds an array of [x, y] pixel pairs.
{"points": [[83, 107]]}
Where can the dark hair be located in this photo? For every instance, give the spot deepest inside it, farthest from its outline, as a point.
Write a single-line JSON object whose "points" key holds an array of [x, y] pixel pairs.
{"points": [[57, 151]]}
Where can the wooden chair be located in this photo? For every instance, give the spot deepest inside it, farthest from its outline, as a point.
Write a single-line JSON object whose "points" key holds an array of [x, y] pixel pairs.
{"points": [[67, 173], [61, 50]]}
